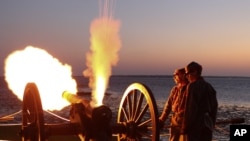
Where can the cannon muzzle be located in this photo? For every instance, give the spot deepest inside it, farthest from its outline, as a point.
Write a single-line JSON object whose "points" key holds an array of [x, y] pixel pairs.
{"points": [[73, 99]]}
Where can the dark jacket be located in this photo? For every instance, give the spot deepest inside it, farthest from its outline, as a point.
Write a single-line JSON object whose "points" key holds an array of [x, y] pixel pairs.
{"points": [[201, 107]]}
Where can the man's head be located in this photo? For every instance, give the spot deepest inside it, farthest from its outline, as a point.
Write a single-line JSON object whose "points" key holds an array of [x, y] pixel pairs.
{"points": [[193, 71]]}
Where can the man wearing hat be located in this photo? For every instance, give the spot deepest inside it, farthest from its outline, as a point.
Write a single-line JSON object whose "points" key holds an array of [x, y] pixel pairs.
{"points": [[175, 104], [201, 106]]}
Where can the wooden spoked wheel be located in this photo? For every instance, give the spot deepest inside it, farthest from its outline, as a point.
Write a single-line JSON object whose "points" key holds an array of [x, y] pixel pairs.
{"points": [[32, 115], [138, 113]]}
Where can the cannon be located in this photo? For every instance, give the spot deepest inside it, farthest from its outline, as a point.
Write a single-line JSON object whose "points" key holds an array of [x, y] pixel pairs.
{"points": [[137, 117]]}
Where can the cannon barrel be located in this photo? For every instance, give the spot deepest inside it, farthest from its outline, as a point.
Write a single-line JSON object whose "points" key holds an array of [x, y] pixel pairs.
{"points": [[72, 98]]}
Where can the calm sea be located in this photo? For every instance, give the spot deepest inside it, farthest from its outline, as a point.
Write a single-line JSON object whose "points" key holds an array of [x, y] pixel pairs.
{"points": [[230, 90]]}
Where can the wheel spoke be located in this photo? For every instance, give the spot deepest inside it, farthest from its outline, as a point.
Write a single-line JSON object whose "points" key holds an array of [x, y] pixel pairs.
{"points": [[129, 107], [142, 113], [138, 107], [125, 113], [145, 122], [134, 104]]}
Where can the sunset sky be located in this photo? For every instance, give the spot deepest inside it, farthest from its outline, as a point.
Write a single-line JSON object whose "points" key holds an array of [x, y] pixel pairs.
{"points": [[156, 36]]}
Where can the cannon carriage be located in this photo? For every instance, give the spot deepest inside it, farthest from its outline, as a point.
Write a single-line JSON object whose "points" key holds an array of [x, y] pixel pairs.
{"points": [[137, 117]]}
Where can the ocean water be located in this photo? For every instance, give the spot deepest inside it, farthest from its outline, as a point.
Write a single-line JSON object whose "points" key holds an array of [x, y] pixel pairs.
{"points": [[230, 90]]}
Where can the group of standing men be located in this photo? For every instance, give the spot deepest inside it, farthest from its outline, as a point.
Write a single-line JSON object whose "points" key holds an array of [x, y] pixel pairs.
{"points": [[193, 105]]}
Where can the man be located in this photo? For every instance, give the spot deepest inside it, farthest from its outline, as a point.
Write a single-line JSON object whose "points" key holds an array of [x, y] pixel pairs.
{"points": [[201, 106], [175, 104]]}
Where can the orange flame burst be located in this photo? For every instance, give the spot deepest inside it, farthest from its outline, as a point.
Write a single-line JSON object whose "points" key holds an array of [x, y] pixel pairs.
{"points": [[36, 65], [105, 44]]}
